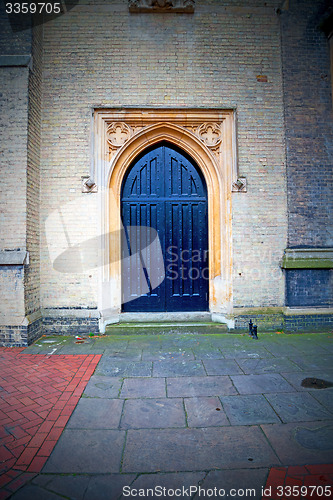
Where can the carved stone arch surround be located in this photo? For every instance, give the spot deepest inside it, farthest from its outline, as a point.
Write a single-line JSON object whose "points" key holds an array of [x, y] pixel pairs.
{"points": [[206, 136]]}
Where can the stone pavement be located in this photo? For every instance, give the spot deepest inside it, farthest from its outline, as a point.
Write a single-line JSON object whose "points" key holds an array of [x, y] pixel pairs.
{"points": [[190, 411]]}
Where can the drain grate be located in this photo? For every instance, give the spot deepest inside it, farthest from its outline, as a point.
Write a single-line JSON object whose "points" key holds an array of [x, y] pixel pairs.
{"points": [[316, 383]]}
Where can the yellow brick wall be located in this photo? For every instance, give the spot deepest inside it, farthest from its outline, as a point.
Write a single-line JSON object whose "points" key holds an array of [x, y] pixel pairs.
{"points": [[99, 55]]}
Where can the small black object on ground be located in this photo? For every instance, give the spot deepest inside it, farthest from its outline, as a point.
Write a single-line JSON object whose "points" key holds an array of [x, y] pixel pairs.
{"points": [[253, 330]]}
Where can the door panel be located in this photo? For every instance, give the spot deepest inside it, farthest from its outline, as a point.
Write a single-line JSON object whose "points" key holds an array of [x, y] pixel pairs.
{"points": [[164, 191], [186, 256], [142, 260]]}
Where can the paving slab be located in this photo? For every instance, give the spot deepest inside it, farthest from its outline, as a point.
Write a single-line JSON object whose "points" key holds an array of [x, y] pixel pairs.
{"points": [[107, 487], [146, 341], [259, 384], [122, 354], [238, 483], [277, 349], [91, 413], [65, 485], [123, 368], [46, 344], [153, 450], [32, 492], [248, 410], [327, 346], [207, 353], [88, 451], [143, 387], [101, 386], [275, 365], [167, 368], [313, 362], [205, 412], [299, 407], [112, 343], [76, 346], [165, 484], [79, 486], [308, 346], [200, 386], [168, 354], [153, 413], [295, 379], [253, 351], [187, 342], [301, 443], [324, 396], [221, 367]]}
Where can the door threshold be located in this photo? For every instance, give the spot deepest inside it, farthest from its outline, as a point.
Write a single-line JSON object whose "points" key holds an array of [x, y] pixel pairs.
{"points": [[166, 317]]}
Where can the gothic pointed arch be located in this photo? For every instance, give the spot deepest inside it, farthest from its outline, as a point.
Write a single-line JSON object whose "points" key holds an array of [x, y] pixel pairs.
{"points": [[207, 138]]}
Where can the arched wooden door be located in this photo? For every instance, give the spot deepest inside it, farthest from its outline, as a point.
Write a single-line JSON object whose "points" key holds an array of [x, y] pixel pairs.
{"points": [[164, 194]]}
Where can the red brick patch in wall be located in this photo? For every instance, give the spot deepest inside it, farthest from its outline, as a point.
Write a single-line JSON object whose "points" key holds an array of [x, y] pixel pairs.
{"points": [[38, 394], [311, 482]]}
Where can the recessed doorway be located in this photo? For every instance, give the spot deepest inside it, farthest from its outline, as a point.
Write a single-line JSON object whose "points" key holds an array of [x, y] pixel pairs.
{"points": [[164, 212]]}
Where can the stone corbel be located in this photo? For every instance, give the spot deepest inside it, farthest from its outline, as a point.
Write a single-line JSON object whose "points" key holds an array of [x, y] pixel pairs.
{"points": [[240, 185], [88, 185]]}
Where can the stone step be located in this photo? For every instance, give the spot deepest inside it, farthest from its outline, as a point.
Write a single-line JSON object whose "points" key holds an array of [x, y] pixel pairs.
{"points": [[166, 317], [163, 328]]}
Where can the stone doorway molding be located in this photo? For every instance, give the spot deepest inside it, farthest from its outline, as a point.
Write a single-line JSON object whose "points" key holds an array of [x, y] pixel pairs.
{"points": [[209, 137]]}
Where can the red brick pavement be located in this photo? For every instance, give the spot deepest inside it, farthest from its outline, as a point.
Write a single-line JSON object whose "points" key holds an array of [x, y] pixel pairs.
{"points": [[38, 394], [311, 482]]}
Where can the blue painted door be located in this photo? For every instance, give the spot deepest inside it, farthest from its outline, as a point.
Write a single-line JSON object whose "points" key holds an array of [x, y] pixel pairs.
{"points": [[165, 239]]}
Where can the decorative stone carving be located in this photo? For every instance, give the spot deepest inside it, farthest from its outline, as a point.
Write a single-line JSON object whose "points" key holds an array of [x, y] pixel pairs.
{"points": [[162, 4], [118, 133], [210, 134], [240, 185], [211, 128], [185, 6]]}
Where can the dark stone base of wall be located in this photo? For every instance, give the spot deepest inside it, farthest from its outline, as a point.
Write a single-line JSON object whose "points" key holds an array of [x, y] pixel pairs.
{"points": [[308, 323], [287, 323], [35, 330], [265, 322], [13, 336], [70, 326], [309, 287], [20, 336]]}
